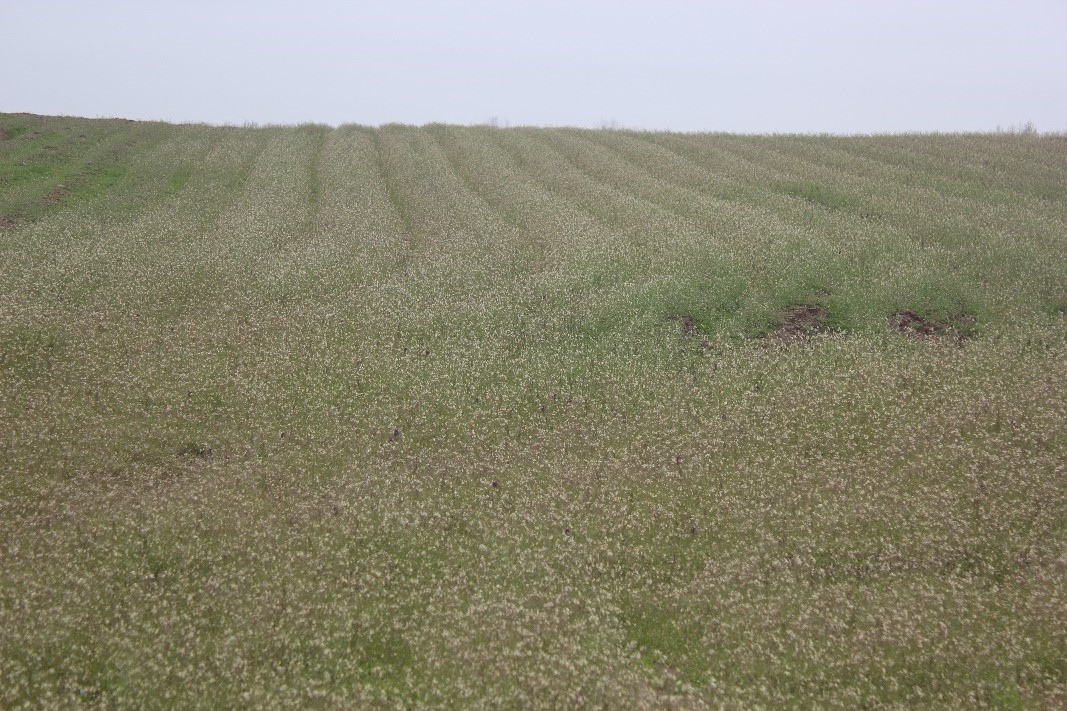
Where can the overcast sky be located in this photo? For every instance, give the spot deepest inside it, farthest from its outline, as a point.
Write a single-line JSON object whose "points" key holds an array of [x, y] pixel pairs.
{"points": [[747, 66]]}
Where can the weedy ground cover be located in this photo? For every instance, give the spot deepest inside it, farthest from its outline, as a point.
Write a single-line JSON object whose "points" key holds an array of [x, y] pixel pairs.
{"points": [[528, 418]]}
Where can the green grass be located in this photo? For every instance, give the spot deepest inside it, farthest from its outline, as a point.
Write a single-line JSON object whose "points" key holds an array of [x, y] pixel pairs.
{"points": [[450, 417], [46, 163]]}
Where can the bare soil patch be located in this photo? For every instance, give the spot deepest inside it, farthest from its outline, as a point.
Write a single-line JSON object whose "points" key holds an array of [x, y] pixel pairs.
{"points": [[689, 324], [798, 322], [4, 134], [912, 324], [54, 196], [909, 323], [196, 451]]}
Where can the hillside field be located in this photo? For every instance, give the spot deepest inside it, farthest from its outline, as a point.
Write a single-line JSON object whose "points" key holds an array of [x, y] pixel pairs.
{"points": [[471, 417]]}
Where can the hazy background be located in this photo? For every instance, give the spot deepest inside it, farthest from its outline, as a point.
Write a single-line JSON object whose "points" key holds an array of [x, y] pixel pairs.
{"points": [[746, 66]]}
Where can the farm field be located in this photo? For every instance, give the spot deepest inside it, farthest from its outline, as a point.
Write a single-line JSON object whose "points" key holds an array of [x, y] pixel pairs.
{"points": [[470, 417]]}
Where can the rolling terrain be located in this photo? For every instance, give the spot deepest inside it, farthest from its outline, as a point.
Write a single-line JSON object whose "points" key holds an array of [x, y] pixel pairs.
{"points": [[454, 416]]}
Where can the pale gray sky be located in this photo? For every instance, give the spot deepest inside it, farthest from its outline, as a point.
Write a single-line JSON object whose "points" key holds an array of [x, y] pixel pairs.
{"points": [[753, 66]]}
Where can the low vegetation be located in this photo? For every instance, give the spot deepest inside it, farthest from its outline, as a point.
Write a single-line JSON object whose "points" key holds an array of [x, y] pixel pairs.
{"points": [[525, 418]]}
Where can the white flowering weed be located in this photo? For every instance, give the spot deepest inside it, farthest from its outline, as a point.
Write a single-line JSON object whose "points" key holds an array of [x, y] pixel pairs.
{"points": [[465, 417]]}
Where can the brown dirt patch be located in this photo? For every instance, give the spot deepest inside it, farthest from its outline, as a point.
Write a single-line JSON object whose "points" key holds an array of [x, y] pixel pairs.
{"points": [[54, 196], [798, 322], [4, 134], [6, 222], [912, 324], [195, 451], [689, 324], [909, 323]]}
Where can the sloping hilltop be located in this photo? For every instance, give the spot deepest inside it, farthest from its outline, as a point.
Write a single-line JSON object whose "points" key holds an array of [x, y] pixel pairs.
{"points": [[518, 418]]}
